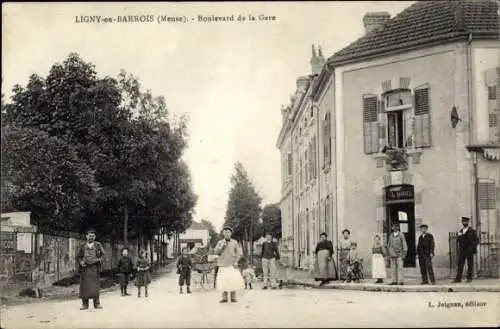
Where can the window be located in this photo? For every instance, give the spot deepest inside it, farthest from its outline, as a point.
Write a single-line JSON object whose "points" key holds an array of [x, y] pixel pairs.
{"points": [[306, 166], [370, 124], [487, 194], [327, 215], [422, 119], [327, 140], [395, 126], [492, 81], [289, 164], [314, 158]]}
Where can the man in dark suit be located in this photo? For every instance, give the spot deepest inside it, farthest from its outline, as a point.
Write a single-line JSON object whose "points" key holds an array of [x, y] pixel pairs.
{"points": [[425, 252], [467, 248]]}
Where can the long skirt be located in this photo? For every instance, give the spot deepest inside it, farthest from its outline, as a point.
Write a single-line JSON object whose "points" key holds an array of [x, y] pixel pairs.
{"points": [[90, 282], [324, 269], [378, 267], [143, 278], [343, 255], [229, 279]]}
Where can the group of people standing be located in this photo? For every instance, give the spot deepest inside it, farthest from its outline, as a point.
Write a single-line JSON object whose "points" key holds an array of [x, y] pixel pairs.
{"points": [[90, 257], [394, 254]]}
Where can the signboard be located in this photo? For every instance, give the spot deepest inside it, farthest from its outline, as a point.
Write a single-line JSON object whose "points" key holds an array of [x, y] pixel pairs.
{"points": [[399, 193], [8, 242]]}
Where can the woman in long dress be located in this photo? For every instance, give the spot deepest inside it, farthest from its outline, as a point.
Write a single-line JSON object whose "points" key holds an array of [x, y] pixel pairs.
{"points": [[378, 261], [325, 270], [344, 248]]}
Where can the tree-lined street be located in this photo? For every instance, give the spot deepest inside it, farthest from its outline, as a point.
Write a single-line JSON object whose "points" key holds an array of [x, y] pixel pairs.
{"points": [[166, 308]]}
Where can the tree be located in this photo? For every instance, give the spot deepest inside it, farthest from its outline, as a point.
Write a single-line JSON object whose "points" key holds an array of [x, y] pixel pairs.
{"points": [[213, 235], [271, 220], [243, 207]]}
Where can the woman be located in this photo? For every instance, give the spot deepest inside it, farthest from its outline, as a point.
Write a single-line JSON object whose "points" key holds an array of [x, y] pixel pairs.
{"points": [[143, 278], [324, 266], [344, 248], [378, 261], [90, 256]]}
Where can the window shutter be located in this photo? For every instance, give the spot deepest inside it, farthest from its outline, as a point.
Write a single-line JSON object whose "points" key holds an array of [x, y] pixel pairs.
{"points": [[327, 140], [370, 123], [289, 164], [422, 120], [487, 195]]}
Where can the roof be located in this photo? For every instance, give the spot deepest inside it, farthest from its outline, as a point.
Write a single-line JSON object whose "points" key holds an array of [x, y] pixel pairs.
{"points": [[423, 24], [197, 226]]}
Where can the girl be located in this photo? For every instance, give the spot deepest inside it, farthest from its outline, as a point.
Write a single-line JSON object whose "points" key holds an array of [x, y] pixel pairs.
{"points": [[249, 276], [143, 278], [378, 261], [124, 269]]}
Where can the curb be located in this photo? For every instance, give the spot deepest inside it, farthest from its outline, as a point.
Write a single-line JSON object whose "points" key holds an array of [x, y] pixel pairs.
{"points": [[388, 288]]}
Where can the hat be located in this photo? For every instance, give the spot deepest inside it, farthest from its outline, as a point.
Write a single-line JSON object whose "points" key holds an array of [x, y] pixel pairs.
{"points": [[228, 228], [90, 230], [465, 219], [346, 230], [424, 225], [324, 233]]}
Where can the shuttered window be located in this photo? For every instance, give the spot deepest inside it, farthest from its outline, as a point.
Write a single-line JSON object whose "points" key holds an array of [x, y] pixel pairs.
{"points": [[492, 82], [289, 164], [370, 124], [487, 195], [327, 140], [422, 120], [314, 158]]}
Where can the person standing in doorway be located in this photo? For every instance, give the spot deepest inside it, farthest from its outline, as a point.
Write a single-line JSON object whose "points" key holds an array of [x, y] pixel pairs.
{"points": [[229, 278], [269, 256], [397, 249], [467, 248], [90, 256], [344, 248], [124, 268], [425, 252]]}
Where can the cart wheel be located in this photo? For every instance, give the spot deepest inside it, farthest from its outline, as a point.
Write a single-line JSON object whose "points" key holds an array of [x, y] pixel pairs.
{"points": [[207, 282]]}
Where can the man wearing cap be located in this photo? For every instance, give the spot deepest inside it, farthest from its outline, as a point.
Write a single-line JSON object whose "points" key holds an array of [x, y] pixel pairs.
{"points": [[229, 278], [397, 249], [467, 248], [425, 252], [90, 257]]}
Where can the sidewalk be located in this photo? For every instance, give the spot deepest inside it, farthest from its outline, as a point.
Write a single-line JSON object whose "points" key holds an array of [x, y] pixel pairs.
{"points": [[9, 295], [297, 277]]}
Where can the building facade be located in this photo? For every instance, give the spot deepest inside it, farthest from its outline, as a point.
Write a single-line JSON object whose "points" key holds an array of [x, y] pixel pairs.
{"points": [[408, 133]]}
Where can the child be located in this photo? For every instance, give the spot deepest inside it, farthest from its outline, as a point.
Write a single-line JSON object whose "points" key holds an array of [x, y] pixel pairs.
{"points": [[353, 265], [184, 266], [249, 276], [378, 261], [124, 269], [143, 278]]}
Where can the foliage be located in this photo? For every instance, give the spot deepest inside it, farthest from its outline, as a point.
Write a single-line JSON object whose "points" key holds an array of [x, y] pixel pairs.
{"points": [[83, 150], [271, 220], [243, 208], [214, 236]]}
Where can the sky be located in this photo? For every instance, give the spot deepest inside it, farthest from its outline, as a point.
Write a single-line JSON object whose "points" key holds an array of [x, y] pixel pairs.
{"points": [[230, 78]]}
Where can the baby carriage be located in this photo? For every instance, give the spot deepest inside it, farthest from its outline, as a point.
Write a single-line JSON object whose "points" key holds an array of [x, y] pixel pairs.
{"points": [[355, 271]]}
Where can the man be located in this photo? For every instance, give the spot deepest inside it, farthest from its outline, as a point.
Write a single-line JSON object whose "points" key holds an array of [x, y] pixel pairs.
{"points": [[467, 248], [229, 278], [397, 249], [268, 257], [90, 256], [425, 252]]}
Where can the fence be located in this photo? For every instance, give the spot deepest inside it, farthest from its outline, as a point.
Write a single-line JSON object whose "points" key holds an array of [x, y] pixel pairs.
{"points": [[42, 258], [487, 253]]}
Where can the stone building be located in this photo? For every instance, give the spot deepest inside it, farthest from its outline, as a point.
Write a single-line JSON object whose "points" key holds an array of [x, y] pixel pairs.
{"points": [[406, 125]]}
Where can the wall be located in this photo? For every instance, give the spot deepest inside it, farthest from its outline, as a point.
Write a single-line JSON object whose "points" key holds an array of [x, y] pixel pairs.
{"points": [[440, 171]]}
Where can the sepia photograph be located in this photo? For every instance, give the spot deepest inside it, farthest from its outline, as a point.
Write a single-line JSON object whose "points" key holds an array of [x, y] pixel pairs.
{"points": [[288, 164]]}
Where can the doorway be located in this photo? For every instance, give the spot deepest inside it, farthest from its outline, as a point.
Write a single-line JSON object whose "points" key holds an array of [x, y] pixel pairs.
{"points": [[400, 210]]}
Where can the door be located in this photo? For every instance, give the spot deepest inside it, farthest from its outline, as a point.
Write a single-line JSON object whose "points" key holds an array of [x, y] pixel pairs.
{"points": [[403, 214]]}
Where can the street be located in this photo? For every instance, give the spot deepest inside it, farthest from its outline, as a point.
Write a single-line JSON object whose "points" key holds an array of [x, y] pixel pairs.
{"points": [[165, 307]]}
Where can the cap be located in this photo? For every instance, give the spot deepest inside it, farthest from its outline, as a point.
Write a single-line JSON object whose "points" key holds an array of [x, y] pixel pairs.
{"points": [[229, 228], [90, 230], [346, 230], [324, 234], [424, 225]]}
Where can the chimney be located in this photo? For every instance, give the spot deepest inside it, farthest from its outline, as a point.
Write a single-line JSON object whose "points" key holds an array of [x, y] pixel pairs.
{"points": [[375, 20], [317, 61]]}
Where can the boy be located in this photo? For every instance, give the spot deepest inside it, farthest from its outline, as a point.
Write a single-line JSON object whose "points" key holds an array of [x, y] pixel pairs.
{"points": [[184, 266], [249, 276], [124, 268], [353, 263]]}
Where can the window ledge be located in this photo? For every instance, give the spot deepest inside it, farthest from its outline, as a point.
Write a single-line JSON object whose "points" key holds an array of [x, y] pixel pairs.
{"points": [[409, 151]]}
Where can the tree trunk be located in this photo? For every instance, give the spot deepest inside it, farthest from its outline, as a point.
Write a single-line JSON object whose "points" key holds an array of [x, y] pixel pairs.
{"points": [[251, 242], [245, 249], [151, 250], [125, 224]]}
